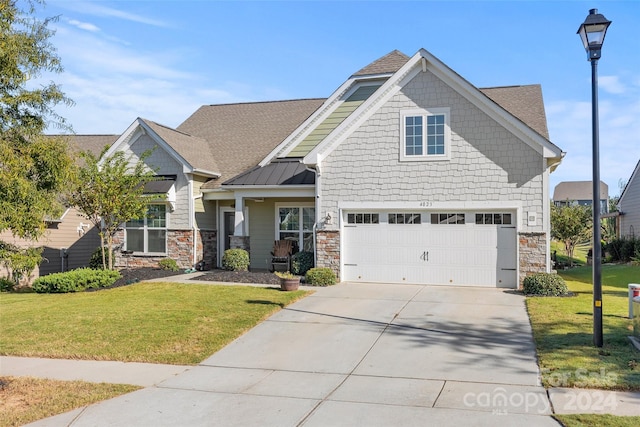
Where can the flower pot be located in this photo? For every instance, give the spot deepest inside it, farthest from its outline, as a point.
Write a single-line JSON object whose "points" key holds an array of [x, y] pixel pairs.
{"points": [[290, 284]]}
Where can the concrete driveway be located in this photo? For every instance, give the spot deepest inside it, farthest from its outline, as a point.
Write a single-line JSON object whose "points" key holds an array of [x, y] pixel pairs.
{"points": [[357, 355]]}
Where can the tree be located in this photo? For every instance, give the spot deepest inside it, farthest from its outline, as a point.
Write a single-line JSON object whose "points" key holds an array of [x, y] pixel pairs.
{"points": [[108, 191], [33, 168], [571, 225]]}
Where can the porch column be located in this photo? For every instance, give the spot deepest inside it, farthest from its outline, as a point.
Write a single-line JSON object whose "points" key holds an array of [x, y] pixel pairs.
{"points": [[239, 217], [240, 240]]}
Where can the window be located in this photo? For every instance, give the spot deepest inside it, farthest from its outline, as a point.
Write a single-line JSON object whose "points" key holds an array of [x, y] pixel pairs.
{"points": [[493, 218], [148, 234], [296, 223], [405, 218], [425, 135], [363, 218], [447, 218]]}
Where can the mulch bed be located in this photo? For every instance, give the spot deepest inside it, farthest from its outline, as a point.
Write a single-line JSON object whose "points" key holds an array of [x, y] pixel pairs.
{"points": [[260, 277], [135, 275]]}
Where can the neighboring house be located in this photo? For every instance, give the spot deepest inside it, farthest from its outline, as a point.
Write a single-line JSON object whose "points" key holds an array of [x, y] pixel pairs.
{"points": [[629, 206], [69, 240], [581, 193], [407, 173]]}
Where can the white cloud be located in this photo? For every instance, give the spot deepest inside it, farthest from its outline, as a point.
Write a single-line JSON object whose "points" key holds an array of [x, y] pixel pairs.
{"points": [[619, 139], [83, 25], [611, 84], [94, 9]]}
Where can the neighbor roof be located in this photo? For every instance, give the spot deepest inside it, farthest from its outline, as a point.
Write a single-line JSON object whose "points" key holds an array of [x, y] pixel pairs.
{"points": [[92, 143], [578, 190], [240, 135]]}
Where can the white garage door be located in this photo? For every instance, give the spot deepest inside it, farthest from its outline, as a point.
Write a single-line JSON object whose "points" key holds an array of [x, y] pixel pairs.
{"points": [[457, 248]]}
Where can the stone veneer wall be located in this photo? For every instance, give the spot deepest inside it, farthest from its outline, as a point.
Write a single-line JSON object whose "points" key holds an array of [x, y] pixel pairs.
{"points": [[328, 250], [533, 254], [208, 248], [179, 248]]}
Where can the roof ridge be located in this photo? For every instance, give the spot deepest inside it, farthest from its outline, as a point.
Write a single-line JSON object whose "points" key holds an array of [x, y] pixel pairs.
{"points": [[263, 102], [387, 64]]}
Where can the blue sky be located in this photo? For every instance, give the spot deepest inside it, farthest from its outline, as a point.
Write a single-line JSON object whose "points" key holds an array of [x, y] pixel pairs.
{"points": [[161, 60]]}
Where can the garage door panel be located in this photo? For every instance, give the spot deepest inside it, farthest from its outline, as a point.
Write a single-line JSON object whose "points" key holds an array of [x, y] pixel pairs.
{"points": [[459, 254]]}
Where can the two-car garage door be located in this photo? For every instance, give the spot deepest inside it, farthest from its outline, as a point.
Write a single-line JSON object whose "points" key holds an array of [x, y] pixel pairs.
{"points": [[457, 248]]}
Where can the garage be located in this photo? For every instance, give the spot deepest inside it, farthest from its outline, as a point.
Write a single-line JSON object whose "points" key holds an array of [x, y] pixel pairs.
{"points": [[436, 248]]}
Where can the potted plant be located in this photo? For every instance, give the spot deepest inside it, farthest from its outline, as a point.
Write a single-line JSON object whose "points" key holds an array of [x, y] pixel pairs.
{"points": [[288, 280]]}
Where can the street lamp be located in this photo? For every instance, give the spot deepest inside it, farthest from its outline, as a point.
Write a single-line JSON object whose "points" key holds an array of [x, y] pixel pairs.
{"points": [[592, 32]]}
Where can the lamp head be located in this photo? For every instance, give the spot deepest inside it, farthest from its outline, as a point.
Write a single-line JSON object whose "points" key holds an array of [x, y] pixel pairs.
{"points": [[592, 32]]}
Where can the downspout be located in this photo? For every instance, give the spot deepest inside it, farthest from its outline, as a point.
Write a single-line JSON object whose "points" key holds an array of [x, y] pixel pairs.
{"points": [[316, 169]]}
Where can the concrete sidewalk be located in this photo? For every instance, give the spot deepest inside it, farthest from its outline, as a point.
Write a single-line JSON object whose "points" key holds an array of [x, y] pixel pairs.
{"points": [[358, 354]]}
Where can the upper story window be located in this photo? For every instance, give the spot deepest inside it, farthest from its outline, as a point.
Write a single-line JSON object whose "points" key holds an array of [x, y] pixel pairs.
{"points": [[148, 234], [425, 135]]}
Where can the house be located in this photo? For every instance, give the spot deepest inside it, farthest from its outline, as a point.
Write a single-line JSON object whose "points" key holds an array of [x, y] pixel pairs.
{"points": [[581, 193], [70, 239], [629, 206], [407, 173]]}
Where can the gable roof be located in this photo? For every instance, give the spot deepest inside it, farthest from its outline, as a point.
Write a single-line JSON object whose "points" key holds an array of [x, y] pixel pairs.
{"points": [[634, 175], [240, 135], [388, 64], [527, 121], [524, 102], [578, 190], [194, 150]]}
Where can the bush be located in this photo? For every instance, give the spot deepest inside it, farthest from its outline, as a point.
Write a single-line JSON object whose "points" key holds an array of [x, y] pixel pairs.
{"points": [[623, 249], [545, 284], [6, 285], [168, 264], [320, 276], [301, 262], [95, 261], [75, 281], [235, 260]]}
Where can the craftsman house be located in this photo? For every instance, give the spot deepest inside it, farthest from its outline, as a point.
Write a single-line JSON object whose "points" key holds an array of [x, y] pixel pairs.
{"points": [[407, 173]]}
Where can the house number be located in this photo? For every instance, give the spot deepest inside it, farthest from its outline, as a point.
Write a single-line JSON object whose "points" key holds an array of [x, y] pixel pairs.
{"points": [[424, 256], [426, 204]]}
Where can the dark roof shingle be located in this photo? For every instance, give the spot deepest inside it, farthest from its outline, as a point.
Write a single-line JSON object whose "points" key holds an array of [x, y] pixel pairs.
{"points": [[390, 63]]}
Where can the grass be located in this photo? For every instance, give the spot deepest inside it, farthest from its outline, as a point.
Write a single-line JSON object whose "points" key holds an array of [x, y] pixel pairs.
{"points": [[24, 400], [579, 253], [563, 331], [146, 322], [590, 420]]}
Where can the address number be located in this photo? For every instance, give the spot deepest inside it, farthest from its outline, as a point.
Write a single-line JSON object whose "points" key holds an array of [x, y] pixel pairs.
{"points": [[426, 204]]}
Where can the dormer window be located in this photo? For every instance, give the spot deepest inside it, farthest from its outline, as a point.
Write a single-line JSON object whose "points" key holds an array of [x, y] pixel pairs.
{"points": [[425, 135]]}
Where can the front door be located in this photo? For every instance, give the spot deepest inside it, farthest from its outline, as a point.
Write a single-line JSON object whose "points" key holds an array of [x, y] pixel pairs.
{"points": [[229, 228]]}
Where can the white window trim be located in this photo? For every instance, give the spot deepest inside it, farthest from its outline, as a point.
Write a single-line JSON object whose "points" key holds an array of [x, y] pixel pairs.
{"points": [[291, 205], [146, 228], [447, 135]]}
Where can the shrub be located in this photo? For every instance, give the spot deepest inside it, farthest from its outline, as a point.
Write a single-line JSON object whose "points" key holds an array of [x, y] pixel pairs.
{"points": [[75, 281], [168, 264], [320, 276], [95, 261], [545, 284], [301, 262], [6, 285], [235, 260]]}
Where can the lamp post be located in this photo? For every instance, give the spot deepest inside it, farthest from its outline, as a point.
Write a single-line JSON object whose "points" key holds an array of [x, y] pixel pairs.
{"points": [[592, 32]]}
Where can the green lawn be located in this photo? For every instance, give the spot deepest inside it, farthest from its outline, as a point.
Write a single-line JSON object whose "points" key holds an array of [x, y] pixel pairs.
{"points": [[563, 330], [146, 322], [579, 253]]}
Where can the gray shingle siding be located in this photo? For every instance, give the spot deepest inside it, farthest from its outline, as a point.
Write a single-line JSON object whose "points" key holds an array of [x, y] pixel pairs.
{"points": [[487, 162]]}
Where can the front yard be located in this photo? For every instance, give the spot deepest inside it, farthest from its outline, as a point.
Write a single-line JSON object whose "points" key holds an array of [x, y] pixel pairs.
{"points": [[145, 322], [563, 330]]}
